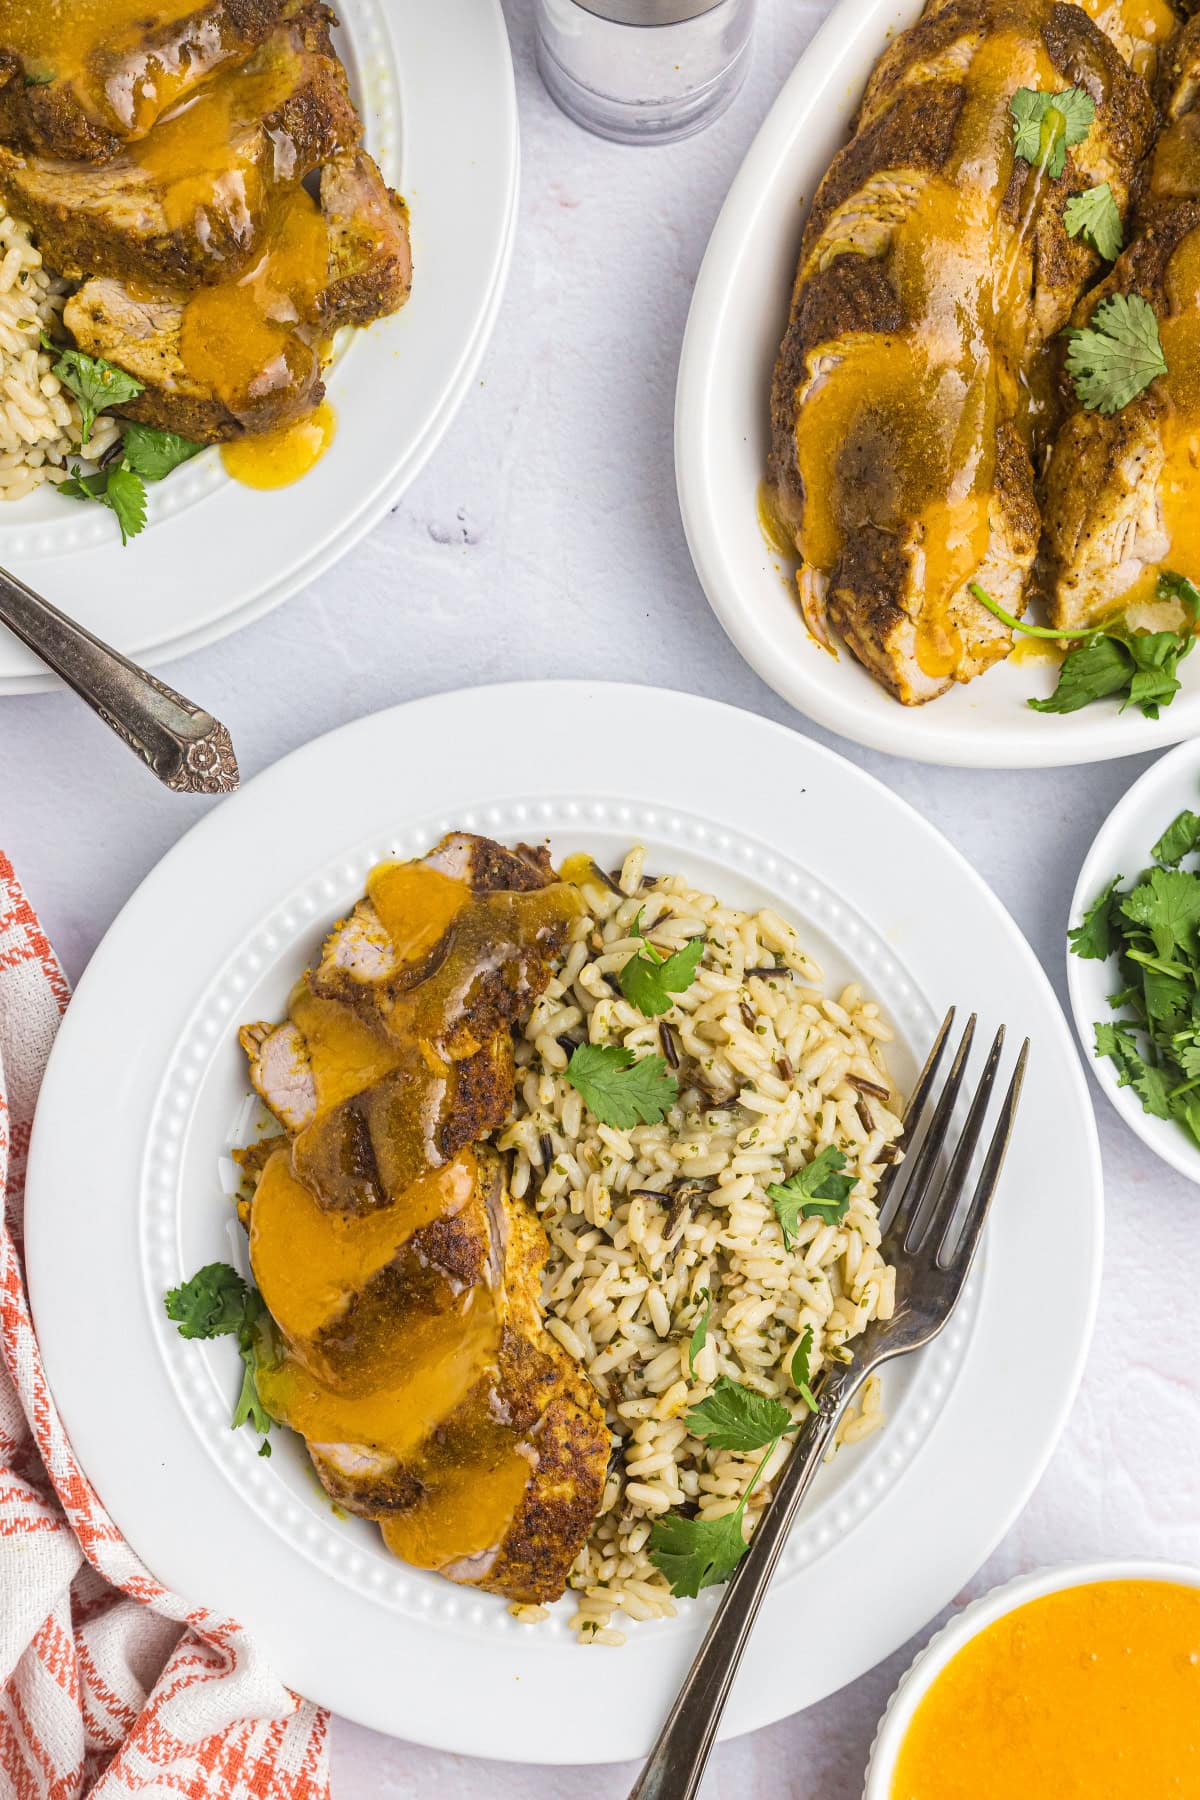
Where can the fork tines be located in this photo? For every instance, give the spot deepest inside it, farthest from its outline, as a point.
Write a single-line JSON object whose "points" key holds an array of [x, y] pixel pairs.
{"points": [[920, 1206]]}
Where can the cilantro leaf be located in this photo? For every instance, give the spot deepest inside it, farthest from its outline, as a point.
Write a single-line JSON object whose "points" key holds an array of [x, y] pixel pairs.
{"points": [[211, 1304], [154, 454], [96, 384], [1046, 125], [801, 1369], [1118, 1043], [1167, 905], [1117, 355], [648, 980], [1095, 217], [699, 1336], [816, 1191], [118, 488], [126, 495], [1100, 666], [1181, 837], [1094, 939], [697, 1553], [216, 1302], [621, 1089], [734, 1417]]}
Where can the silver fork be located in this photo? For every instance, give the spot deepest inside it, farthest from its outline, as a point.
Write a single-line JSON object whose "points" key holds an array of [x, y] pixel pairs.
{"points": [[931, 1239]]}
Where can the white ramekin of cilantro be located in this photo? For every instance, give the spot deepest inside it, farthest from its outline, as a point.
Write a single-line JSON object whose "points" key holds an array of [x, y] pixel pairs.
{"points": [[1133, 964]]}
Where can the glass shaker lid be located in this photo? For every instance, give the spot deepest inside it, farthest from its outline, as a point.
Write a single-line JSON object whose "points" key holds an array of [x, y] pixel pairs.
{"points": [[648, 12]]}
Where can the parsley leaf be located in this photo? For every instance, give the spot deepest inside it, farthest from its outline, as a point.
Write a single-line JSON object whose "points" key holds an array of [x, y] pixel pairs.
{"points": [[1181, 837], [1046, 125], [816, 1191], [154, 454], [96, 384], [699, 1336], [1094, 939], [648, 979], [697, 1553], [619, 1088], [1117, 355], [734, 1417], [216, 1302], [1095, 217], [801, 1369]]}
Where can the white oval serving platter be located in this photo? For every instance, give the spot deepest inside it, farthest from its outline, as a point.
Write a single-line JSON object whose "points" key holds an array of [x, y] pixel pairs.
{"points": [[435, 88], [722, 428], [146, 1090]]}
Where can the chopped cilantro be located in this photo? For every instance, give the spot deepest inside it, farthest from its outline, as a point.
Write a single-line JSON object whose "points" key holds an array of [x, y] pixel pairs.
{"points": [[699, 1336], [697, 1553], [816, 1191], [649, 979], [96, 384], [1111, 659], [1095, 217], [1117, 355], [801, 1369], [1046, 125], [216, 1302], [1152, 930], [619, 1088], [734, 1417]]}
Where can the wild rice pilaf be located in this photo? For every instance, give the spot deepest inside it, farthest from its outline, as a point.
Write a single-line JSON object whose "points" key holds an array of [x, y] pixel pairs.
{"points": [[39, 421], [771, 1071]]}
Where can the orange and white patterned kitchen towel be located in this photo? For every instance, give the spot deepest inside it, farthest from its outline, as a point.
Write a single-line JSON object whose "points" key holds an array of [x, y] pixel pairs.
{"points": [[112, 1686]]}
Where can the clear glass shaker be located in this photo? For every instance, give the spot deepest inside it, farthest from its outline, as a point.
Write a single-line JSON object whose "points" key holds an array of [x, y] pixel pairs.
{"points": [[644, 71]]}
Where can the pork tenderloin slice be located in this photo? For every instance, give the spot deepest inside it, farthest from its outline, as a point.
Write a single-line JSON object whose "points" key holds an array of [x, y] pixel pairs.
{"points": [[127, 78], [154, 217], [280, 1072], [370, 254], [142, 335]]}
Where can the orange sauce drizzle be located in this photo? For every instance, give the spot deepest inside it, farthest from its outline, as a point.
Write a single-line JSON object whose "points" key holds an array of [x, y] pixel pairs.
{"points": [[392, 1342]]}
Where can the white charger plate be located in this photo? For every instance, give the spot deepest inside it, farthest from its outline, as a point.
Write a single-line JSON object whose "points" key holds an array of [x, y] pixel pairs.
{"points": [[146, 1089], [1122, 847], [722, 433], [434, 85]]}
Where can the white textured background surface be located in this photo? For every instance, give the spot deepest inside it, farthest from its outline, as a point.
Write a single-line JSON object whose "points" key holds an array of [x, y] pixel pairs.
{"points": [[545, 540]]}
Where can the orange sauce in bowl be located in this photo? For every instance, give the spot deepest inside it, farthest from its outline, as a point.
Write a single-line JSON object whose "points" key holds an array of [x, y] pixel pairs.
{"points": [[1092, 1693]]}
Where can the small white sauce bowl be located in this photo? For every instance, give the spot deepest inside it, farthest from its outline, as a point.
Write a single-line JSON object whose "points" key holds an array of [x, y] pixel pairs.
{"points": [[942, 1649]]}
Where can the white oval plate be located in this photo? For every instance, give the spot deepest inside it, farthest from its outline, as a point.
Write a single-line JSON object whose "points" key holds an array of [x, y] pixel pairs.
{"points": [[722, 428], [435, 88], [1122, 846], [146, 1088], [941, 1650]]}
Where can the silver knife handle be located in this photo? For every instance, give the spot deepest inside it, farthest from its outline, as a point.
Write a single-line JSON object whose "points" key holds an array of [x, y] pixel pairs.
{"points": [[677, 1762], [186, 747]]}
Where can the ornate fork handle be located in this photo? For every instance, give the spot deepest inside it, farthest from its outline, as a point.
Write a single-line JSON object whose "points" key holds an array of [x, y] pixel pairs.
{"points": [[677, 1761], [186, 747]]}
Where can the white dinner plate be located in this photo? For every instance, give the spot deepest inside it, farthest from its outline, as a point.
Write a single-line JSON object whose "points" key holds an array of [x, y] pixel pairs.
{"points": [[434, 85], [722, 430], [144, 1094], [1122, 847]]}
